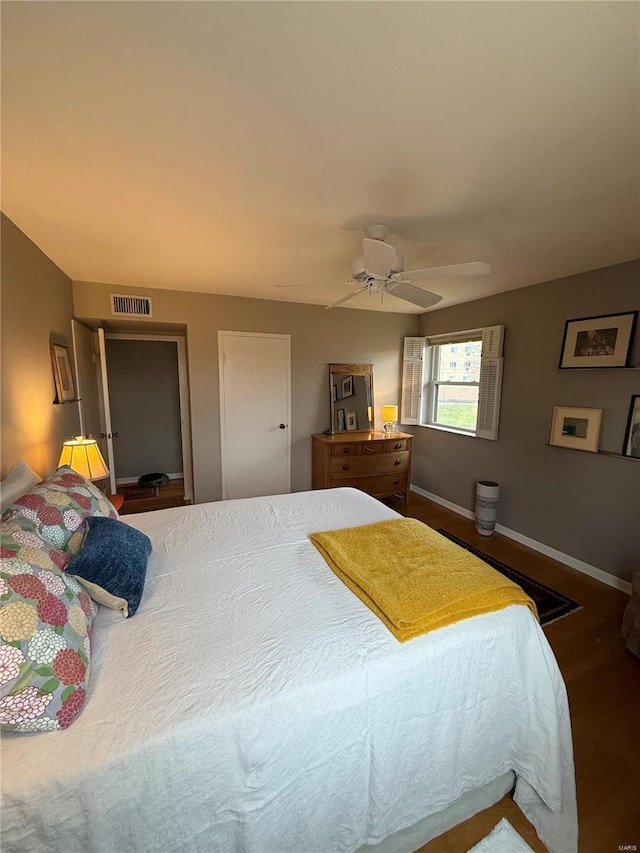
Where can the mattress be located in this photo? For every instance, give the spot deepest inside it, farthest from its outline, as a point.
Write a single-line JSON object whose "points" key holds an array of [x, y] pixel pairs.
{"points": [[253, 703]]}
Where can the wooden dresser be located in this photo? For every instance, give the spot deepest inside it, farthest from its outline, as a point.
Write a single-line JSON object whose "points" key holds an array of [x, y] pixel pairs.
{"points": [[376, 462]]}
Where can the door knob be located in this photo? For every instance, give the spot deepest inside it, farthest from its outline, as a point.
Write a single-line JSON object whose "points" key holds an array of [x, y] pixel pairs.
{"points": [[283, 426]]}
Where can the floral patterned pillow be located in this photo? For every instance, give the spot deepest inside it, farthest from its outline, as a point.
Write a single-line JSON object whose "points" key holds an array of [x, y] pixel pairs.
{"points": [[59, 507], [45, 630]]}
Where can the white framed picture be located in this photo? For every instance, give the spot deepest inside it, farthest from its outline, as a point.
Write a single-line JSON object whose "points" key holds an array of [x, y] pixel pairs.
{"points": [[577, 428]]}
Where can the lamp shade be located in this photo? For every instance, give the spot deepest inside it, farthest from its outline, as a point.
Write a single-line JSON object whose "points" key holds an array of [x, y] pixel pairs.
{"points": [[389, 414], [83, 455]]}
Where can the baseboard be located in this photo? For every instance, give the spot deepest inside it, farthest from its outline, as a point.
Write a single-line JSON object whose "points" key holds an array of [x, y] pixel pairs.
{"points": [[125, 481], [540, 547]]}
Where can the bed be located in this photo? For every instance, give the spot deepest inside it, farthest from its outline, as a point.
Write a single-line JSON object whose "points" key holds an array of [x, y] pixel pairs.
{"points": [[255, 704]]}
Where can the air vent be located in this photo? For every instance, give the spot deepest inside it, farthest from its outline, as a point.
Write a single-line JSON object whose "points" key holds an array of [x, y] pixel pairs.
{"points": [[131, 306]]}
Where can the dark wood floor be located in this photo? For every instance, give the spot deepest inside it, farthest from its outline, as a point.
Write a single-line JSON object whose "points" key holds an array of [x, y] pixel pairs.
{"points": [[603, 683]]}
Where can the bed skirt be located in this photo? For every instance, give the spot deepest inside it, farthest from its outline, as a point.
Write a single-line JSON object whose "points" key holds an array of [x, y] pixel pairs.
{"points": [[420, 833]]}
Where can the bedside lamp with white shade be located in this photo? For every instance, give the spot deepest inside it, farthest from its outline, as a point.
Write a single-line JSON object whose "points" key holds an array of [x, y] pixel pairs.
{"points": [[83, 455], [389, 417]]}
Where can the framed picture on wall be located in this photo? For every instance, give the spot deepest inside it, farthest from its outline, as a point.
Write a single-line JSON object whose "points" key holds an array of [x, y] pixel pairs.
{"points": [[62, 373], [340, 421], [334, 393], [352, 420], [347, 386], [632, 434], [576, 428], [603, 341]]}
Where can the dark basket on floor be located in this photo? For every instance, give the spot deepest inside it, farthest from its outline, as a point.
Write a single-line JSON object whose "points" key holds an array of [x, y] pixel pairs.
{"points": [[153, 481]]}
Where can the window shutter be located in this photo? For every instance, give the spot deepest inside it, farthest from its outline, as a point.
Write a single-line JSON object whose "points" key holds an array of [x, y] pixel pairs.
{"points": [[489, 398], [490, 383], [412, 380], [492, 337]]}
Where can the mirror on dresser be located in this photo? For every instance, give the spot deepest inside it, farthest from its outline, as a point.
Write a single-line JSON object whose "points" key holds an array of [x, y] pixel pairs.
{"points": [[351, 397]]}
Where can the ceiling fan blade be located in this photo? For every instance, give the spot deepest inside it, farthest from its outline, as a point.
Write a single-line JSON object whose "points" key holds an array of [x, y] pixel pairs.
{"points": [[347, 297], [378, 257], [411, 293], [472, 268]]}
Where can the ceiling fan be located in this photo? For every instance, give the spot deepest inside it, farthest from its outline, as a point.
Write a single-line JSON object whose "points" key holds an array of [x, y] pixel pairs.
{"points": [[381, 270]]}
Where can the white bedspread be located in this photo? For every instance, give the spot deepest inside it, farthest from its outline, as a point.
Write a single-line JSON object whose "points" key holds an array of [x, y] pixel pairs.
{"points": [[254, 704]]}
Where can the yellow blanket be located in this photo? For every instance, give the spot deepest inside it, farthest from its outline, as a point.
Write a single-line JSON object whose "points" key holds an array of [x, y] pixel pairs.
{"points": [[413, 578]]}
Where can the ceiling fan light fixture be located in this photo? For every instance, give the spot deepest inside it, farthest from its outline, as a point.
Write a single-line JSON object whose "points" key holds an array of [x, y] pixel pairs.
{"points": [[377, 232]]}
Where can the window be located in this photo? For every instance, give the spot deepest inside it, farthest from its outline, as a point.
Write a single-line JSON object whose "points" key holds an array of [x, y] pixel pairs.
{"points": [[438, 393], [451, 399]]}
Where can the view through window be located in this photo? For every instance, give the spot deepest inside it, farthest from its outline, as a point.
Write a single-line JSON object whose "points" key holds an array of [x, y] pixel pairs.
{"points": [[455, 383]]}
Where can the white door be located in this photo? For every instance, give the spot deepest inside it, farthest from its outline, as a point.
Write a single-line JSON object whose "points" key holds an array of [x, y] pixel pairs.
{"points": [[88, 404], [255, 411], [103, 383]]}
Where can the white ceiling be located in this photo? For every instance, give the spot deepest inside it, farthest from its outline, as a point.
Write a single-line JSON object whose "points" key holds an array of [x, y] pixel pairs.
{"points": [[232, 146]]}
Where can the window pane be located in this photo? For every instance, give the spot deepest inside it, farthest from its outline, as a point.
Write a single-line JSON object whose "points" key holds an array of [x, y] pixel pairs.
{"points": [[456, 406], [452, 369]]}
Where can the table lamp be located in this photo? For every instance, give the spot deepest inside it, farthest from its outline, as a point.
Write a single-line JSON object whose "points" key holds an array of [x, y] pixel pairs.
{"points": [[83, 455], [389, 417]]}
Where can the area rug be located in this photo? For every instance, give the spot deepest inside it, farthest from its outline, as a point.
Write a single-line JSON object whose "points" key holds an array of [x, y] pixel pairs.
{"points": [[133, 491], [502, 839], [551, 605]]}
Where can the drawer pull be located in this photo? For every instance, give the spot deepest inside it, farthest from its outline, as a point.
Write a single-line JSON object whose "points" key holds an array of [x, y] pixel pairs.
{"points": [[346, 450], [398, 447], [346, 467], [396, 482], [398, 462]]}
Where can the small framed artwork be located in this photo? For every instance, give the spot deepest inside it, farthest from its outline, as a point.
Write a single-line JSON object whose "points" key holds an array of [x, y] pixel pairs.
{"points": [[347, 386], [632, 435], [340, 421], [334, 393], [352, 420], [576, 428], [62, 373], [603, 341]]}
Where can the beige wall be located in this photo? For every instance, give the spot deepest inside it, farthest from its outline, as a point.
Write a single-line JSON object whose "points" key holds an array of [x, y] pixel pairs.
{"points": [[37, 304], [583, 504], [318, 337]]}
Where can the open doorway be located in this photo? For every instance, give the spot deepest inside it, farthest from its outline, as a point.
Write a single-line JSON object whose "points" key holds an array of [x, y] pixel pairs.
{"points": [[144, 414]]}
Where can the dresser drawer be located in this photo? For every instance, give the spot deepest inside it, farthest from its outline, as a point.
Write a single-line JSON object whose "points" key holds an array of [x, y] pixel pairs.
{"points": [[382, 463], [378, 486], [369, 447], [394, 444], [342, 450]]}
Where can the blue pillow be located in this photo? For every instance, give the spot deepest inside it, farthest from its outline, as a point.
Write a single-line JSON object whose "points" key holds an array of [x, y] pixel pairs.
{"points": [[112, 564]]}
